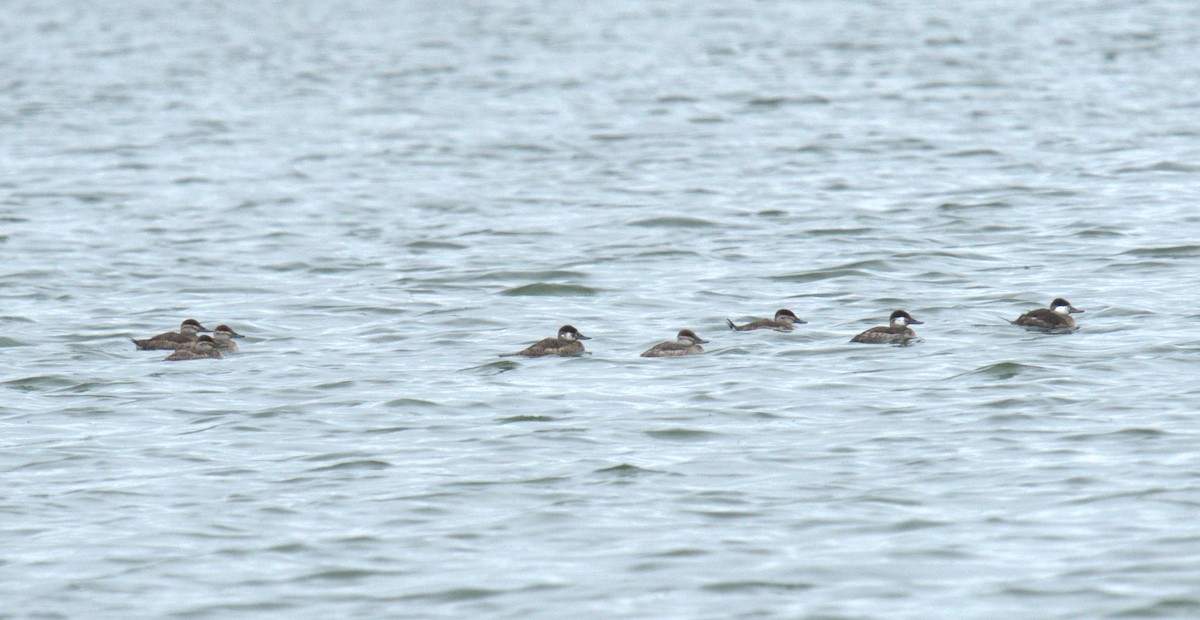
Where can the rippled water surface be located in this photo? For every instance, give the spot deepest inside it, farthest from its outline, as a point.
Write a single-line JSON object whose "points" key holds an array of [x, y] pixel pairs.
{"points": [[385, 196]]}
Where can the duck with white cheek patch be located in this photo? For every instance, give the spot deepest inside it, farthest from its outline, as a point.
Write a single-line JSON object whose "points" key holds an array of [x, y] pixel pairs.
{"points": [[685, 343], [564, 345], [896, 330], [1058, 316]]}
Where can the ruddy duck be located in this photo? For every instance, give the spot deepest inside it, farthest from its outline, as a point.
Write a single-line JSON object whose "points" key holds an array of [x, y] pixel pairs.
{"points": [[567, 343], [783, 321], [896, 331], [224, 336], [172, 340], [686, 343], [1059, 315], [204, 348]]}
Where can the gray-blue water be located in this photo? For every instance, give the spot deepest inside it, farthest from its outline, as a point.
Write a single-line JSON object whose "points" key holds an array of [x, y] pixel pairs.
{"points": [[385, 196]]}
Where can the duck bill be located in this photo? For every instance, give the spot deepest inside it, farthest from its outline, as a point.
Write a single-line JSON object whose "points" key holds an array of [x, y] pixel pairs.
{"points": [[701, 342], [914, 322], [582, 337], [1073, 310]]}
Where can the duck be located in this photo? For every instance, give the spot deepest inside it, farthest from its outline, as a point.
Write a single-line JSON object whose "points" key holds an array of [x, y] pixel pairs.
{"points": [[224, 335], [783, 322], [170, 341], [685, 343], [1058, 315], [204, 348], [896, 330], [564, 345]]}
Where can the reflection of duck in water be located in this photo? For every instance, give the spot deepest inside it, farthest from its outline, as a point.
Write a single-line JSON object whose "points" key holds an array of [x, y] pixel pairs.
{"points": [[566, 344], [686, 343], [783, 321], [896, 331]]}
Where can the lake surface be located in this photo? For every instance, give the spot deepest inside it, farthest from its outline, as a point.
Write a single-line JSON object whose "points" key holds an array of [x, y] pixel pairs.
{"points": [[385, 196]]}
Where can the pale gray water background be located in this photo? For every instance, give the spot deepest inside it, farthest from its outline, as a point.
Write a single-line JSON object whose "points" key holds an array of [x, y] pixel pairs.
{"points": [[385, 196]]}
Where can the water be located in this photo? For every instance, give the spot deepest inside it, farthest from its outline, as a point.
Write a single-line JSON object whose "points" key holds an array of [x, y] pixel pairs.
{"points": [[386, 196]]}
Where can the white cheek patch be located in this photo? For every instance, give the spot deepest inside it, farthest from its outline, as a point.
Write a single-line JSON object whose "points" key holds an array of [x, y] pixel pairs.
{"points": [[1062, 309], [568, 336], [901, 321]]}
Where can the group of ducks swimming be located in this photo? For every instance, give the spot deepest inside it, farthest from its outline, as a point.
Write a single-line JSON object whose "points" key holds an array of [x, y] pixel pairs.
{"points": [[1057, 316], [187, 344]]}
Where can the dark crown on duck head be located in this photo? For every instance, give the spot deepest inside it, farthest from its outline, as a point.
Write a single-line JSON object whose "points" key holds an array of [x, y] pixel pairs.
{"points": [[690, 335], [1061, 303], [900, 314], [788, 313], [571, 333]]}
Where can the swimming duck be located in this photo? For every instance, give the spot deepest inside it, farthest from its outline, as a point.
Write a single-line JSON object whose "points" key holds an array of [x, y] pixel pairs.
{"points": [[783, 321], [897, 330], [685, 343], [565, 344], [204, 348], [172, 340], [1059, 315]]}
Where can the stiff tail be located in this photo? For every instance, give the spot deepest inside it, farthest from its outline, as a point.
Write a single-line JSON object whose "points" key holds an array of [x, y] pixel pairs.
{"points": [[730, 324], [136, 343]]}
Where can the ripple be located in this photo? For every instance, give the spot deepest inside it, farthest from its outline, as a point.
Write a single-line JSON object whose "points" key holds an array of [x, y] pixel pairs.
{"points": [[343, 574], [673, 222], [493, 368], [371, 464], [683, 434], [975, 153], [549, 289], [909, 525], [1162, 166], [1131, 433], [456, 595], [625, 470], [435, 245], [40, 382], [837, 232], [778, 102], [527, 275], [1001, 371], [725, 587], [411, 402], [1165, 251], [1168, 607], [526, 418], [824, 274]]}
